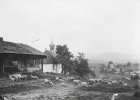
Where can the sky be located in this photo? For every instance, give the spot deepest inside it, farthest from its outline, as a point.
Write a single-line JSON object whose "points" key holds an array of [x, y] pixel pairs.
{"points": [[89, 26]]}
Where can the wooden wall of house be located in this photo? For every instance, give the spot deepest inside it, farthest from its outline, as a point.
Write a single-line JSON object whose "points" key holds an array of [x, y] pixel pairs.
{"points": [[1, 63], [12, 63], [15, 62]]}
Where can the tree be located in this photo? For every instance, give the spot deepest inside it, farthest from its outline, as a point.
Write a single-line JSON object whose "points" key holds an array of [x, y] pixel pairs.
{"points": [[110, 62], [128, 64], [64, 57], [102, 68], [81, 66]]}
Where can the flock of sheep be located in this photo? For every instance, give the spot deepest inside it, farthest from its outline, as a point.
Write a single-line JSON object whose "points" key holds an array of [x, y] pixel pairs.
{"points": [[17, 77], [77, 82], [94, 81], [63, 80], [88, 82]]}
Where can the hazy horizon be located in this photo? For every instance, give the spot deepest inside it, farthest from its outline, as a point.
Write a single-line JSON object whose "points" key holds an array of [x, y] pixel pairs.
{"points": [[89, 26]]}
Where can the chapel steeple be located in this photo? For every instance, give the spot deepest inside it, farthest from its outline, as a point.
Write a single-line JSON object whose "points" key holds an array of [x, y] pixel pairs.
{"points": [[52, 46]]}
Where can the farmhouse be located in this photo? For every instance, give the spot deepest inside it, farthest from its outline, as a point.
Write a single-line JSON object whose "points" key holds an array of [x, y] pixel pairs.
{"points": [[50, 63], [17, 56]]}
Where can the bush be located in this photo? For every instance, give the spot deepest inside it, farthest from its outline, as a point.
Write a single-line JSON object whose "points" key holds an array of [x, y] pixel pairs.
{"points": [[135, 77], [3, 75], [136, 87], [109, 88], [39, 73], [137, 94], [92, 73]]}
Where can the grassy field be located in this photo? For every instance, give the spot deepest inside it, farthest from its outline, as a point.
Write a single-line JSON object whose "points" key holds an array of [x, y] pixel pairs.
{"points": [[38, 90], [117, 76]]}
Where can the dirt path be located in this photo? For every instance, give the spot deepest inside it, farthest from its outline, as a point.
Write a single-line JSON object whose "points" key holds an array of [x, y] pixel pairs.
{"points": [[58, 92], [44, 93]]}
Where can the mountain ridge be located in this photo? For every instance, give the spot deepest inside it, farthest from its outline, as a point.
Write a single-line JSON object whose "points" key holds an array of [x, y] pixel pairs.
{"points": [[115, 57]]}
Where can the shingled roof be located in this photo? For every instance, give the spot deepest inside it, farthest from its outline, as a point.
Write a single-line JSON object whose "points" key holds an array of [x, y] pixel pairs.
{"points": [[51, 57], [18, 48]]}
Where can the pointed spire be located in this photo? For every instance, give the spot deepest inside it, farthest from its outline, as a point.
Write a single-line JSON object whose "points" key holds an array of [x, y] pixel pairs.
{"points": [[52, 46], [52, 41]]}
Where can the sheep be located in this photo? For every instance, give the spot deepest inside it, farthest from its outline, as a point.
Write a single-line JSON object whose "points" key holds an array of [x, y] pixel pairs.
{"points": [[109, 83], [127, 78], [47, 81], [34, 77], [61, 80], [57, 78], [77, 82], [12, 78], [3, 98], [63, 84], [17, 76], [94, 80], [64, 79], [91, 81], [125, 84], [70, 78], [24, 77], [97, 80], [115, 81], [51, 83], [84, 84], [114, 96]]}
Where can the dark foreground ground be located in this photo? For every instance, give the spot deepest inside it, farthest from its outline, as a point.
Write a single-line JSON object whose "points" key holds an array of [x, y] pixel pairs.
{"points": [[38, 90]]}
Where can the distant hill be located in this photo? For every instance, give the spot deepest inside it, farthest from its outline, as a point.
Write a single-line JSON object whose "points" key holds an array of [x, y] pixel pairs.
{"points": [[115, 57]]}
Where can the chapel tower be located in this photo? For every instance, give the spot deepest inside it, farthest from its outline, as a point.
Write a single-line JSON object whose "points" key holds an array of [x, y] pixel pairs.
{"points": [[52, 46]]}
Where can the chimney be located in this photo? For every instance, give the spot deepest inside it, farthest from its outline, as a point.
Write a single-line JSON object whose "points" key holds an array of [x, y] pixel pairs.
{"points": [[1, 39]]}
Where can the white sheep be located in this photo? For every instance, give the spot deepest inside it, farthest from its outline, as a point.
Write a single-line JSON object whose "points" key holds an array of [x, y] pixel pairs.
{"points": [[61, 80], [63, 84], [92, 80], [84, 84], [3, 98], [24, 77], [57, 78], [12, 78], [125, 84], [109, 83], [127, 78], [114, 96], [51, 83], [17, 76], [70, 78], [115, 81], [47, 81], [77, 82], [34, 77]]}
